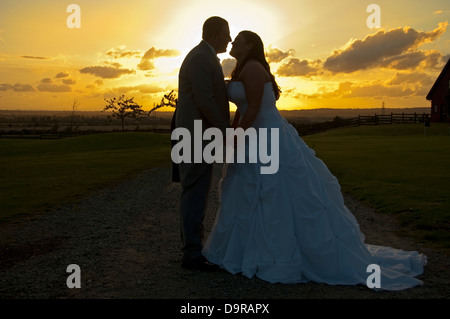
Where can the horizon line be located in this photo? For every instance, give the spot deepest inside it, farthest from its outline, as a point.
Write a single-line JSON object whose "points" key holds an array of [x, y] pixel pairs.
{"points": [[284, 110]]}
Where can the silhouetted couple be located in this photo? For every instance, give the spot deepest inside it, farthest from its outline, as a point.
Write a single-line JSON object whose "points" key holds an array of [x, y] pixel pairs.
{"points": [[288, 227]]}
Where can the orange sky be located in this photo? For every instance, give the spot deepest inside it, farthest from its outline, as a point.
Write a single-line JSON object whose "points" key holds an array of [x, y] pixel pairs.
{"points": [[323, 53]]}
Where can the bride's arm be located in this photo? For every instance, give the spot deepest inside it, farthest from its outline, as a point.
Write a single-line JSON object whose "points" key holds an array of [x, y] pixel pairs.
{"points": [[254, 76]]}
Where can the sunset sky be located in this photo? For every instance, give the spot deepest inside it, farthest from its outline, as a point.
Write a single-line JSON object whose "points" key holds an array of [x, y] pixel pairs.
{"points": [[322, 52]]}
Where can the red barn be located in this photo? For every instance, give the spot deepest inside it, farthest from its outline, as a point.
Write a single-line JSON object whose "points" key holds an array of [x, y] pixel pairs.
{"points": [[439, 96]]}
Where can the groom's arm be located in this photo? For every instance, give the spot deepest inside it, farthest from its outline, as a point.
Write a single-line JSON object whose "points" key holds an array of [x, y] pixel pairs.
{"points": [[201, 75], [237, 116]]}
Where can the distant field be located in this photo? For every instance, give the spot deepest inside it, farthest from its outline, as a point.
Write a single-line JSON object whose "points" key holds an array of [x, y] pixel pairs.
{"points": [[397, 169], [38, 175]]}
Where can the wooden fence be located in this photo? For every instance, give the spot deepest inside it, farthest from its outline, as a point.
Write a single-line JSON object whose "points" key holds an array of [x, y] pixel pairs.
{"points": [[393, 118]]}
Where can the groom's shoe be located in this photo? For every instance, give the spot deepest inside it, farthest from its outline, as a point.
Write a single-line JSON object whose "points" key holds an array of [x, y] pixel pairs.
{"points": [[199, 263]]}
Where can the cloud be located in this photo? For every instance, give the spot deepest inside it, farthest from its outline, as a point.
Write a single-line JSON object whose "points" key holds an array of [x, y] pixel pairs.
{"points": [[413, 59], [419, 82], [152, 54], [121, 52], [114, 64], [297, 67], [106, 72], [53, 87], [275, 55], [47, 85], [69, 81], [414, 78], [402, 85], [18, 87], [35, 57], [324, 92], [382, 48], [146, 65], [228, 66], [62, 75], [142, 88], [445, 58], [377, 91]]}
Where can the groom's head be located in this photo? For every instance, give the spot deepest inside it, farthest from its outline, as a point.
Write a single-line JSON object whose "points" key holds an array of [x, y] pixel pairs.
{"points": [[217, 33]]}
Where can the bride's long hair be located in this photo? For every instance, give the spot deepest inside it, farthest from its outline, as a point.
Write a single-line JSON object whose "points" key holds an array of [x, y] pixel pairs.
{"points": [[256, 53]]}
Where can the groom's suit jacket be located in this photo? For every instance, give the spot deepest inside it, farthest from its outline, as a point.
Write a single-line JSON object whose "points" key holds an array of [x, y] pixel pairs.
{"points": [[202, 95]]}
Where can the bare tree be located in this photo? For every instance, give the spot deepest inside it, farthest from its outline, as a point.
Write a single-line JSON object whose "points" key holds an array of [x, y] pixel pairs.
{"points": [[122, 108], [72, 116], [168, 99]]}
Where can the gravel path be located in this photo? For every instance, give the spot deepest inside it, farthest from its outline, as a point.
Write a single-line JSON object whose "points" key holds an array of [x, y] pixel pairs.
{"points": [[125, 238]]}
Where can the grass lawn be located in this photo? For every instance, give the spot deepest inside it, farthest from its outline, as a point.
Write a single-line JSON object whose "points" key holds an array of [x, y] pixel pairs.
{"points": [[397, 169], [38, 175]]}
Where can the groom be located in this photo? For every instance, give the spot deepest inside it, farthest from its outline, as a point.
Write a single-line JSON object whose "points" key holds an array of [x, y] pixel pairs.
{"points": [[202, 95]]}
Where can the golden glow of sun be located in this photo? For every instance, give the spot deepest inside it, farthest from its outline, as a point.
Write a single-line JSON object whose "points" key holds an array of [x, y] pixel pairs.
{"points": [[185, 30]]}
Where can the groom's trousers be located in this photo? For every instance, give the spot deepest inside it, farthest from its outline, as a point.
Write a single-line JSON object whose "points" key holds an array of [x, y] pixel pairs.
{"points": [[193, 204]]}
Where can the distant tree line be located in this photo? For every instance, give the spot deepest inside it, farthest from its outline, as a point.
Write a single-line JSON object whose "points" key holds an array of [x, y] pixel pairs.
{"points": [[119, 111]]}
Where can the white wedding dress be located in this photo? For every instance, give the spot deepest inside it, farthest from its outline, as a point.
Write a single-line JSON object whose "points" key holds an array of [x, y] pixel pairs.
{"points": [[293, 226]]}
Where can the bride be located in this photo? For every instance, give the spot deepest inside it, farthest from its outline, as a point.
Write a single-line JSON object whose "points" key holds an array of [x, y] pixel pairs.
{"points": [[291, 226]]}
